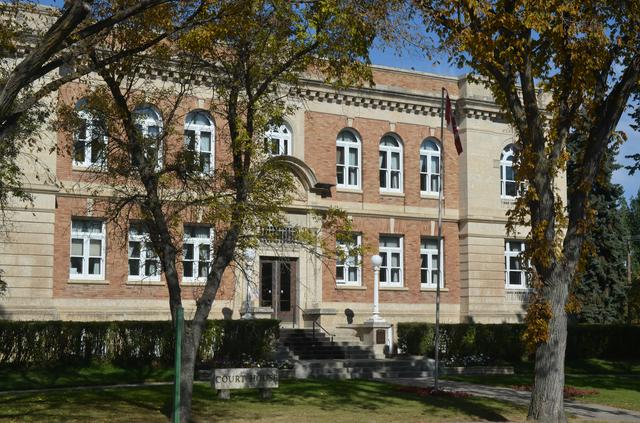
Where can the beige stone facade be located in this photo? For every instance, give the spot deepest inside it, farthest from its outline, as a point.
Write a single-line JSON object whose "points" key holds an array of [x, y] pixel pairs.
{"points": [[35, 252]]}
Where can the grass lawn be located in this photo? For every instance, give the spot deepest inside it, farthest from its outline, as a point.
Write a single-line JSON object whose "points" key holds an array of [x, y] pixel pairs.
{"points": [[91, 374], [294, 402], [617, 383]]}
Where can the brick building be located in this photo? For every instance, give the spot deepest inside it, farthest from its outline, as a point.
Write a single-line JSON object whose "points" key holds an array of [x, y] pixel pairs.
{"points": [[379, 150]]}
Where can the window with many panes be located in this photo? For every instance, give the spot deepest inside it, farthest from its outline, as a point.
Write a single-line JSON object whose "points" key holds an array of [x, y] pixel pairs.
{"points": [[87, 249], [348, 268], [196, 253], [390, 164], [508, 185], [143, 261], [348, 160], [391, 253], [149, 124], [515, 272], [278, 140], [429, 167], [199, 138], [429, 275], [90, 141]]}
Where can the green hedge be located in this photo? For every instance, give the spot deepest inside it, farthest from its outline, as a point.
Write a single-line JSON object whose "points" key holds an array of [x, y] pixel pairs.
{"points": [[129, 342], [466, 344]]}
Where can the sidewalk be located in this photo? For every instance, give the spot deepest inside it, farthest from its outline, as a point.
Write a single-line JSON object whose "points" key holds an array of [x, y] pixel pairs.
{"points": [[580, 410]]}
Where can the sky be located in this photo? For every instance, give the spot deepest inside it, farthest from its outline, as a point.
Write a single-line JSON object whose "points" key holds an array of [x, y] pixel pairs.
{"points": [[413, 60]]}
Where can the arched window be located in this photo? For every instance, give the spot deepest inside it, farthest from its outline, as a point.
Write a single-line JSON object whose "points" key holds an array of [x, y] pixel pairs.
{"points": [[508, 186], [199, 138], [429, 167], [149, 122], [278, 141], [348, 160], [90, 140], [390, 164]]}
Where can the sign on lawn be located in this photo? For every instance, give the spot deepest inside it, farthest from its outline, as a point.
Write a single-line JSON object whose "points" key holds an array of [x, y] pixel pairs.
{"points": [[224, 379]]}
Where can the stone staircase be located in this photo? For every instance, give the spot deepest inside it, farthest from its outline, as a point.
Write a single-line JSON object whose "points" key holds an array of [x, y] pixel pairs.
{"points": [[305, 344], [343, 357]]}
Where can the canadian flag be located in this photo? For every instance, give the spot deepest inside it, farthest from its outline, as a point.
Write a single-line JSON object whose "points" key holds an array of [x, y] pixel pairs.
{"points": [[451, 122]]}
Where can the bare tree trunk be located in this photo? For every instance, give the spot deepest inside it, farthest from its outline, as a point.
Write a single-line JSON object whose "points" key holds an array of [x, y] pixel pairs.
{"points": [[547, 396], [189, 353]]}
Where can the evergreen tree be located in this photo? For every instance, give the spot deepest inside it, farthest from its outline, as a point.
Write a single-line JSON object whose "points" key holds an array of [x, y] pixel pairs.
{"points": [[601, 287], [632, 223]]}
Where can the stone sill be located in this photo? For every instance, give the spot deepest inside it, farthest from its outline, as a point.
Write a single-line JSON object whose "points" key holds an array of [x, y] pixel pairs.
{"points": [[88, 281], [193, 283], [392, 194], [144, 282], [433, 289], [394, 288], [352, 287], [430, 196], [349, 190], [95, 169]]}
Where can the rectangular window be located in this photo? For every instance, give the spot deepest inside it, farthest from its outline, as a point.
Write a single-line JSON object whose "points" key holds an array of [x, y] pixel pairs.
{"points": [[392, 261], [196, 253], [515, 273], [143, 262], [348, 269], [429, 275], [87, 249]]}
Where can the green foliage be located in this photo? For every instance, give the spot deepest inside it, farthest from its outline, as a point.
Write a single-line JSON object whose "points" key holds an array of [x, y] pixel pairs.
{"points": [[416, 338], [500, 343], [600, 288], [492, 343], [614, 342], [56, 342]]}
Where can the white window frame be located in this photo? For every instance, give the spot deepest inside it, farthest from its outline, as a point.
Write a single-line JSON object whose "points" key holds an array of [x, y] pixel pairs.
{"points": [[144, 122], [428, 155], [386, 254], [86, 238], [430, 253], [349, 262], [198, 129], [146, 254], [508, 255], [385, 154], [344, 168], [281, 135], [504, 164], [90, 130], [197, 243]]}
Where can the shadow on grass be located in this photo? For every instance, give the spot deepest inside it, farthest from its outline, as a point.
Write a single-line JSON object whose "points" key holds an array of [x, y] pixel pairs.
{"points": [[12, 378], [347, 396]]}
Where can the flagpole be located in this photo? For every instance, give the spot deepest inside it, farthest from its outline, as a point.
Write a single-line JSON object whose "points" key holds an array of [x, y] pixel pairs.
{"points": [[440, 272]]}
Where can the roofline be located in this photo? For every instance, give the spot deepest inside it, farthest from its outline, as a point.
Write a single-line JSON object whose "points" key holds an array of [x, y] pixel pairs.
{"points": [[421, 73]]}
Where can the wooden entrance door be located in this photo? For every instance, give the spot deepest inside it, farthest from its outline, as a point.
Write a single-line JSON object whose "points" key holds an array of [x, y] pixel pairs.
{"points": [[278, 286]]}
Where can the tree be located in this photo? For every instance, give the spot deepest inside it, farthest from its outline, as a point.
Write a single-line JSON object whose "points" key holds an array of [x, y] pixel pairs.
{"points": [[563, 72], [632, 222], [44, 48], [600, 286], [255, 59]]}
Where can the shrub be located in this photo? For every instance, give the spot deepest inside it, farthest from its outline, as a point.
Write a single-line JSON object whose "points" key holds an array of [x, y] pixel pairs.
{"points": [[468, 344], [128, 342]]}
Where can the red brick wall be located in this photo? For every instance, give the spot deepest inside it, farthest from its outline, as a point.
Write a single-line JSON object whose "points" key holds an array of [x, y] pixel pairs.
{"points": [[321, 130], [412, 231], [116, 270]]}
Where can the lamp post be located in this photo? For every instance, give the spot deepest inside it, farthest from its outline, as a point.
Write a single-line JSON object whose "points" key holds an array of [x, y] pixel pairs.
{"points": [[376, 261], [249, 256]]}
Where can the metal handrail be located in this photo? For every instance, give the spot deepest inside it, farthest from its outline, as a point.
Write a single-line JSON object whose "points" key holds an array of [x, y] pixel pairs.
{"points": [[325, 331], [295, 318], [315, 323]]}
